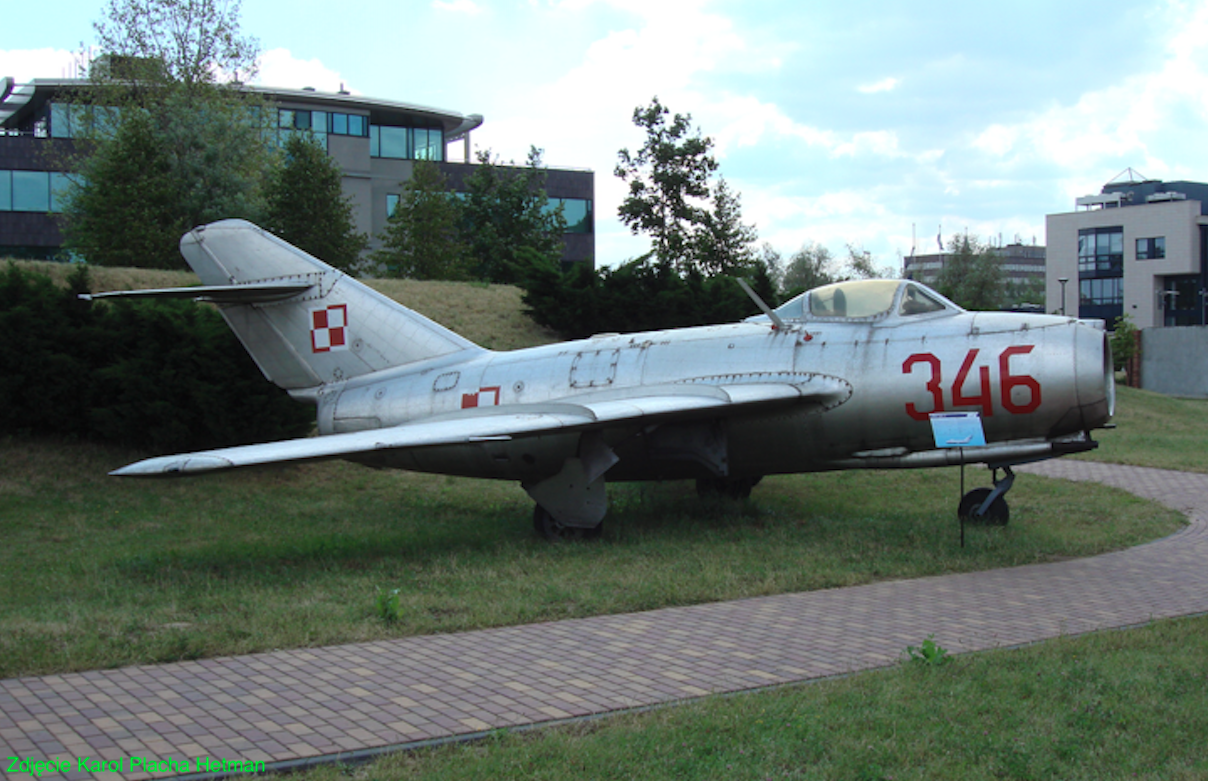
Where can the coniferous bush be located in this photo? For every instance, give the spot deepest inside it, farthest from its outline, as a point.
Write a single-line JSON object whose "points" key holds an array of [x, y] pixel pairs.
{"points": [[642, 295], [161, 376]]}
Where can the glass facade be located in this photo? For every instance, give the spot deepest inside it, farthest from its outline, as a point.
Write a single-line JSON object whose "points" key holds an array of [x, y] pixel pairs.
{"points": [[1101, 273], [1101, 292], [576, 212], [406, 143], [68, 121], [1101, 252], [32, 191], [1182, 300], [322, 124]]}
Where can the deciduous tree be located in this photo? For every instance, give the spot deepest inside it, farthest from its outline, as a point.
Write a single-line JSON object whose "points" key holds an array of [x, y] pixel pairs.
{"points": [[171, 71], [668, 181], [505, 210], [808, 268], [971, 276], [186, 42], [423, 237]]}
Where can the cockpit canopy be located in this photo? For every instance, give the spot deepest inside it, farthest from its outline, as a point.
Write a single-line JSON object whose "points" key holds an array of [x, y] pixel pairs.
{"points": [[864, 300]]}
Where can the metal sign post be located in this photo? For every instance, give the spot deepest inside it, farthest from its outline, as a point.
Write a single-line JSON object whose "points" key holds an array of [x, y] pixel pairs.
{"points": [[959, 430]]}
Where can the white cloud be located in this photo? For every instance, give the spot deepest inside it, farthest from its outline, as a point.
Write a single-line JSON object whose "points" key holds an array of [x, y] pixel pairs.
{"points": [[884, 85], [881, 143], [468, 7], [1134, 120], [279, 68]]}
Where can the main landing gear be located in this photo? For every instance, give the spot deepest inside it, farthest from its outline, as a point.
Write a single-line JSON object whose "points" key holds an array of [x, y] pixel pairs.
{"points": [[736, 488], [986, 506], [554, 530]]}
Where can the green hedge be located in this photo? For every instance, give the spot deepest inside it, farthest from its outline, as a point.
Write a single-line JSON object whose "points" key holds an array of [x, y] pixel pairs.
{"points": [[642, 295], [161, 376]]}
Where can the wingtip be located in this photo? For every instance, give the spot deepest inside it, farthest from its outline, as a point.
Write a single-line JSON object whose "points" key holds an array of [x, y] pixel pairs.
{"points": [[169, 466]]}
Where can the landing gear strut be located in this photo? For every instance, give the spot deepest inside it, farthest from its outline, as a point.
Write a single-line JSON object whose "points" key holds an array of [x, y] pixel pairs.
{"points": [[986, 506], [554, 530]]}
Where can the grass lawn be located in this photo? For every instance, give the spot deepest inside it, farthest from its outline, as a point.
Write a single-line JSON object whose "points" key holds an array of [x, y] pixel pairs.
{"points": [[1113, 705], [100, 572], [1157, 431]]}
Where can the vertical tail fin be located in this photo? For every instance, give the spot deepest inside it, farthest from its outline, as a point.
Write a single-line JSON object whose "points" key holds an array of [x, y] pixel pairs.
{"points": [[336, 329]]}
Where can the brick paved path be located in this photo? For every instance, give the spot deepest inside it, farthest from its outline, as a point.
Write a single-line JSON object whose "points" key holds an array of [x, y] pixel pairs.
{"points": [[289, 705]]}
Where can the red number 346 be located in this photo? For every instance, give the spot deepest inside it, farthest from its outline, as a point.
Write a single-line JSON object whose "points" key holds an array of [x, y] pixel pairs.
{"points": [[1007, 383]]}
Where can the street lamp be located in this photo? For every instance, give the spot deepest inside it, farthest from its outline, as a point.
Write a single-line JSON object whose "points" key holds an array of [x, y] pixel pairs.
{"points": [[1063, 280]]}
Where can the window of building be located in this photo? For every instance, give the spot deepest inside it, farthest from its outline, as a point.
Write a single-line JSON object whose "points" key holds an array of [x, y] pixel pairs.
{"points": [[1101, 252], [1101, 292], [1151, 249], [31, 191], [302, 121], [340, 124], [406, 143], [389, 142], [429, 144], [68, 121], [60, 121], [576, 212], [59, 183], [1101, 272], [392, 201], [1182, 300]]}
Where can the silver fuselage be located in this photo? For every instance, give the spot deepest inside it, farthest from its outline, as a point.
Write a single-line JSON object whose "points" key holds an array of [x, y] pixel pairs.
{"points": [[1032, 378]]}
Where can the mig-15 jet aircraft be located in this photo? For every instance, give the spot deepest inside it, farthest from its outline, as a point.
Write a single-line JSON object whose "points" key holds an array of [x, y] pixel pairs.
{"points": [[847, 376]]}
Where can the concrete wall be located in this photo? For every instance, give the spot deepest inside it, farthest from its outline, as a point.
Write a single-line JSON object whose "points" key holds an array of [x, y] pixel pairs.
{"points": [[1174, 361]]}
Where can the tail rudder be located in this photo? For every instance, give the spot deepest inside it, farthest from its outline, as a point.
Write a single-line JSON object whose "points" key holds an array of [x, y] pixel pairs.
{"points": [[335, 330]]}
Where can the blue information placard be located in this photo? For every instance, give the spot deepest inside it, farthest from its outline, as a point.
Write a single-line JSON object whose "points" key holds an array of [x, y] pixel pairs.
{"points": [[957, 429]]}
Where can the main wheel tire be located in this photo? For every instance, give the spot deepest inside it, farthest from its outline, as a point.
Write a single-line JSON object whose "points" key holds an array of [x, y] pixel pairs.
{"points": [[997, 514], [553, 530], [736, 488]]}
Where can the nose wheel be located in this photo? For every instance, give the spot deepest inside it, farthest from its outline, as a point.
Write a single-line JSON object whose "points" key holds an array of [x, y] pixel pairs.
{"points": [[987, 506]]}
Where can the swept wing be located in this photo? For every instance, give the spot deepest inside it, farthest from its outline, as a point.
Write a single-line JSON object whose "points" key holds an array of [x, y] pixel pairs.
{"points": [[504, 423]]}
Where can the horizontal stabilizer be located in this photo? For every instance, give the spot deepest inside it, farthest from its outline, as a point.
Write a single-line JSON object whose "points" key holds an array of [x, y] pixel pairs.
{"points": [[251, 293]]}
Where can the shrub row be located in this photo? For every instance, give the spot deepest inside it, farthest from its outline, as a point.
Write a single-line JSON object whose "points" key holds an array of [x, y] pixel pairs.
{"points": [[642, 295], [161, 376]]}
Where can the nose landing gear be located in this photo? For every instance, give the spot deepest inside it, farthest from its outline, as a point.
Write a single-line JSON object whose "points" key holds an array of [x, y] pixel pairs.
{"points": [[987, 506]]}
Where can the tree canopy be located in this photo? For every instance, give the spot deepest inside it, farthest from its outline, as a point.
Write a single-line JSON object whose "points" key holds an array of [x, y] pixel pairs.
{"points": [[808, 268], [668, 182], [423, 238], [186, 42], [506, 210], [306, 206], [972, 276], [165, 122]]}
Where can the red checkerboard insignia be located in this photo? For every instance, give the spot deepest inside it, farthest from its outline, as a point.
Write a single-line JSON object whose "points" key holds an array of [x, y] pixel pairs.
{"points": [[485, 397], [329, 328]]}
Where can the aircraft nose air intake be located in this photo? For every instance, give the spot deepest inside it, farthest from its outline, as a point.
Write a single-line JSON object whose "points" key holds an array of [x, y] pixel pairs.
{"points": [[1096, 376]]}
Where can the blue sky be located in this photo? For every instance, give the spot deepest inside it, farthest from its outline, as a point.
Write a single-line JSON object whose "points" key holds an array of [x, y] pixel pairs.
{"points": [[837, 123]]}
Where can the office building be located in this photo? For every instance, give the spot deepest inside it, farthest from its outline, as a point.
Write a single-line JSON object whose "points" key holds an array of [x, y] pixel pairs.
{"points": [[1139, 247], [375, 142]]}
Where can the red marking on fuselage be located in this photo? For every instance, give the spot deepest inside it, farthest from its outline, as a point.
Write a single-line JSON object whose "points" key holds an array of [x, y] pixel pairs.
{"points": [[483, 397]]}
